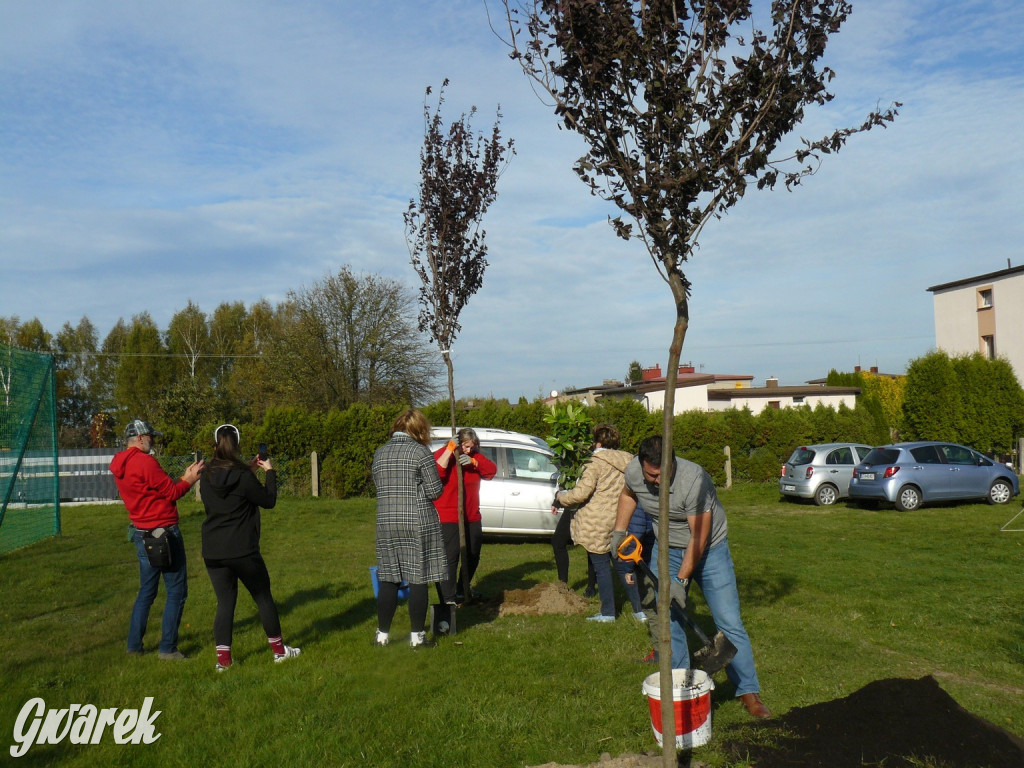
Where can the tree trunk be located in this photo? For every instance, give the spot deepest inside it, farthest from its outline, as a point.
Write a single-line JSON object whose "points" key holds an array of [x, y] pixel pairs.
{"points": [[463, 546], [668, 455]]}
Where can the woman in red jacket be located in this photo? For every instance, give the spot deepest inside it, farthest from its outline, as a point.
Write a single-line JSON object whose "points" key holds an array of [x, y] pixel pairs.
{"points": [[465, 450]]}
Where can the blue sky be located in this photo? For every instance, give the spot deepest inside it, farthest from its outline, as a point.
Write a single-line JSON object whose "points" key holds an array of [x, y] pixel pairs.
{"points": [[152, 154]]}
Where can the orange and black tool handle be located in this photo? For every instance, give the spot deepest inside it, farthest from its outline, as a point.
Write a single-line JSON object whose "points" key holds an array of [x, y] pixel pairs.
{"points": [[632, 551]]}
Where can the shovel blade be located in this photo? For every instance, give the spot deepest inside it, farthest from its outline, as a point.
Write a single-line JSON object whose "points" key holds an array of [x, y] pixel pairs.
{"points": [[713, 657]]}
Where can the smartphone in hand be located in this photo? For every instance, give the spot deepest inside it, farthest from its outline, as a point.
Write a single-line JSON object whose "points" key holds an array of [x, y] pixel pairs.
{"points": [[263, 452]]}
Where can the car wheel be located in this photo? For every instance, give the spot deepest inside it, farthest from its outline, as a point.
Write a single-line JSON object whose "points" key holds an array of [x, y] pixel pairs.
{"points": [[1000, 492], [908, 499], [826, 495]]}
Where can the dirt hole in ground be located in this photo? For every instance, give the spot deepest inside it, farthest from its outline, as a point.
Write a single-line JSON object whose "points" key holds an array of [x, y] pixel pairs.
{"points": [[893, 723]]}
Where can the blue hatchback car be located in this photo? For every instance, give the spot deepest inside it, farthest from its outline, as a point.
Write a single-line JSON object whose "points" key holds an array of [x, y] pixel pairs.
{"points": [[911, 474]]}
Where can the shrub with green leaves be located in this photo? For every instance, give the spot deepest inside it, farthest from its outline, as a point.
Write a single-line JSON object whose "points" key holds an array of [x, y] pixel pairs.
{"points": [[570, 440]]}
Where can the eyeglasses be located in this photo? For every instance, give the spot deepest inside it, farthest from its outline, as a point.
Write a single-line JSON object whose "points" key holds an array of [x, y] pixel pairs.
{"points": [[216, 432]]}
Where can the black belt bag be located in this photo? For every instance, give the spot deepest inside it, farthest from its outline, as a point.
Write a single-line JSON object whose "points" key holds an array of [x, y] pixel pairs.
{"points": [[157, 544]]}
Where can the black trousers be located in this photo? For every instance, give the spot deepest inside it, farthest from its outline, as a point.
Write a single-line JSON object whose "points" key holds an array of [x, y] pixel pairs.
{"points": [[449, 586], [252, 572]]}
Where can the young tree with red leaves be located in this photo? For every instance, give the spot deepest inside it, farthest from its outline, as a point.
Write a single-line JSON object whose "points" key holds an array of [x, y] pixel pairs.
{"points": [[459, 172], [684, 105]]}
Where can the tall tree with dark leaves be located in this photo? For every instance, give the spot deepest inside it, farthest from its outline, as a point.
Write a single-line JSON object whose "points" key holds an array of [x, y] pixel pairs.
{"points": [[77, 374], [459, 172], [684, 105]]}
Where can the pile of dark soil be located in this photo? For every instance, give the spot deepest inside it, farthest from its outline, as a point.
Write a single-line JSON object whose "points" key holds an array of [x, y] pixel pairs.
{"points": [[893, 723]]}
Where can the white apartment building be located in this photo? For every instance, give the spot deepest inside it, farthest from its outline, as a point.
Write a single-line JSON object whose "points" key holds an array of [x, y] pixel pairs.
{"points": [[982, 314]]}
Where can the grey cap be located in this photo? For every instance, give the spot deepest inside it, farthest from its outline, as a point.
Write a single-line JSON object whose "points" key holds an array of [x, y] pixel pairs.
{"points": [[138, 427]]}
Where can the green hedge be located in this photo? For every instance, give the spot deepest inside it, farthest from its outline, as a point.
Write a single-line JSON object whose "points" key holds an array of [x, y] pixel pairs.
{"points": [[345, 440]]}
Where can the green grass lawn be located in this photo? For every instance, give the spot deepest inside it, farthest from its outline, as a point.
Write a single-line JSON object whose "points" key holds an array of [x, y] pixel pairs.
{"points": [[833, 598]]}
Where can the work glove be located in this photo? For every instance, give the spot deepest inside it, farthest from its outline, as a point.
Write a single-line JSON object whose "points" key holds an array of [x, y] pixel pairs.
{"points": [[465, 460], [679, 591], [451, 446], [617, 538]]}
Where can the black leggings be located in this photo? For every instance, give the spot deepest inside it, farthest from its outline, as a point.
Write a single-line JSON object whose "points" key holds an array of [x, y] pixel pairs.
{"points": [[225, 575], [387, 604]]}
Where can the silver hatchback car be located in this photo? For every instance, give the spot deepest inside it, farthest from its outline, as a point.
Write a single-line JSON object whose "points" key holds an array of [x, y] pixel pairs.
{"points": [[911, 474], [821, 472]]}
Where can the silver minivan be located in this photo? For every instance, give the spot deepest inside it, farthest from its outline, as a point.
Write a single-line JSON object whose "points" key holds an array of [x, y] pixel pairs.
{"points": [[518, 500], [821, 472]]}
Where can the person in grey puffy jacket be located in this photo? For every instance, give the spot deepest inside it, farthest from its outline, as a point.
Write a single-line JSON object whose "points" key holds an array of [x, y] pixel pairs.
{"points": [[232, 495], [598, 490]]}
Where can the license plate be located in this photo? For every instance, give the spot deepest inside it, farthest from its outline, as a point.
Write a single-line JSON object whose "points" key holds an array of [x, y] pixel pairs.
{"points": [[868, 476], [789, 487]]}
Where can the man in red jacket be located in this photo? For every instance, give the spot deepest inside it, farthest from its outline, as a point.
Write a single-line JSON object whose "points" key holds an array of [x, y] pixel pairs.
{"points": [[150, 494]]}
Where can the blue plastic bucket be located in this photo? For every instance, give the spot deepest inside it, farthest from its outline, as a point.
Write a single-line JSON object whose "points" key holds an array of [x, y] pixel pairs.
{"points": [[403, 587]]}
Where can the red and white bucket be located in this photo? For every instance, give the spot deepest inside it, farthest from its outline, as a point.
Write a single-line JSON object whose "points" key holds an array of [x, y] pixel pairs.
{"points": [[691, 695]]}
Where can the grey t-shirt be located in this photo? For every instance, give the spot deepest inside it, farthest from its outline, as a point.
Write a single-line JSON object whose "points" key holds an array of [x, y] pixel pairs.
{"points": [[692, 493]]}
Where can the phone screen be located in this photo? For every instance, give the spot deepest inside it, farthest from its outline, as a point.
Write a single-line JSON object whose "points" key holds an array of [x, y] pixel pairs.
{"points": [[263, 452]]}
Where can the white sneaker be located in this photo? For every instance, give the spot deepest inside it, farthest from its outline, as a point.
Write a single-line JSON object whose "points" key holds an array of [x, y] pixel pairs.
{"points": [[382, 639], [419, 640], [601, 618], [640, 616], [289, 653]]}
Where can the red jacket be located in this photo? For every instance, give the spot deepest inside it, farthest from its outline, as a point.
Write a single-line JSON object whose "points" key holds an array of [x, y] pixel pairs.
{"points": [[148, 492], [448, 504]]}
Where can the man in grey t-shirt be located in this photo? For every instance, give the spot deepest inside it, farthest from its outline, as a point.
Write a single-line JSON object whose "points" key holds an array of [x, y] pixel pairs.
{"points": [[698, 549]]}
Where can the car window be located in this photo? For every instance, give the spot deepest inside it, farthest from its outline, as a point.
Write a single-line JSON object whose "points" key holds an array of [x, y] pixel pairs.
{"points": [[842, 455], [490, 452], [927, 454], [863, 451], [957, 454], [882, 456], [801, 456], [525, 464]]}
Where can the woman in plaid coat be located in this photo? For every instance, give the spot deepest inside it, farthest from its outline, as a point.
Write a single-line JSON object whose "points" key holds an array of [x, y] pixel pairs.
{"points": [[409, 543]]}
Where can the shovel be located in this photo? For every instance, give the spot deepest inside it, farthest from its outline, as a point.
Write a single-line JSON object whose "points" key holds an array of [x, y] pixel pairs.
{"points": [[716, 653]]}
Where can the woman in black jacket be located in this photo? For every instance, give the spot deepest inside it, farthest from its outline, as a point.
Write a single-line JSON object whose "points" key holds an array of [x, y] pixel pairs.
{"points": [[232, 495]]}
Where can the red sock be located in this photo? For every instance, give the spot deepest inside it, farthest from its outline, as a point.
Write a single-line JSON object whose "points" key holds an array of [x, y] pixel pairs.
{"points": [[224, 655], [276, 644]]}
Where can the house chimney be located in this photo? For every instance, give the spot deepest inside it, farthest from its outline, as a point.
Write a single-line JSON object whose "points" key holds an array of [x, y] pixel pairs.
{"points": [[874, 369], [771, 383], [688, 368], [648, 374], [856, 369]]}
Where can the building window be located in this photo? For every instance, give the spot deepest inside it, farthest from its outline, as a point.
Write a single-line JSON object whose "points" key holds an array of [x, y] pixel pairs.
{"points": [[798, 399], [988, 347], [985, 298], [776, 404]]}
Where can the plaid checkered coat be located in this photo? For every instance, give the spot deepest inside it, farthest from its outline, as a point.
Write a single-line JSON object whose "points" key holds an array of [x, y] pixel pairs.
{"points": [[409, 543]]}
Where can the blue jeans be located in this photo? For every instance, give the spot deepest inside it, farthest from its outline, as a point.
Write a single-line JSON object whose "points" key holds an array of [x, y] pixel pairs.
{"points": [[717, 580], [176, 583], [626, 571], [605, 589]]}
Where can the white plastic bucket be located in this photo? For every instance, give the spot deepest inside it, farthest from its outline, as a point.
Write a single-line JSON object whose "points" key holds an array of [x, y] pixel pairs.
{"points": [[691, 695]]}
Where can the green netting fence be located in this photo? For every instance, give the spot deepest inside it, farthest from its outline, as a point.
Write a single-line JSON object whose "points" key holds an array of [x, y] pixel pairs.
{"points": [[29, 475]]}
